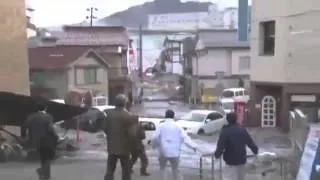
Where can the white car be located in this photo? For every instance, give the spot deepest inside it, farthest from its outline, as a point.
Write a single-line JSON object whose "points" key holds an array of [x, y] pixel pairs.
{"points": [[239, 94], [152, 124], [227, 105], [202, 122]]}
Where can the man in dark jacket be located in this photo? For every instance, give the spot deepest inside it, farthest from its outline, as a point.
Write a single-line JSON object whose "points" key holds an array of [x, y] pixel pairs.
{"points": [[232, 144], [118, 128], [138, 151], [43, 137]]}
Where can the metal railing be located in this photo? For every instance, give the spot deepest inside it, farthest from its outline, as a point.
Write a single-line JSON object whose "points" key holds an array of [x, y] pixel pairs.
{"points": [[264, 167]]}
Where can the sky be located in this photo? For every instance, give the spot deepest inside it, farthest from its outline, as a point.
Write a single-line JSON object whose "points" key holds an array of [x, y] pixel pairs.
{"points": [[57, 12]]}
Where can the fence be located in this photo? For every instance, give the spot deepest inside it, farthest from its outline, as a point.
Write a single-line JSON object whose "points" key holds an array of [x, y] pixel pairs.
{"points": [[267, 166]]}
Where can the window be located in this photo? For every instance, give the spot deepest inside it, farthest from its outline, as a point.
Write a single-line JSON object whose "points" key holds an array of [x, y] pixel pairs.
{"points": [[88, 75], [214, 116], [228, 94], [193, 116], [268, 30], [244, 63]]}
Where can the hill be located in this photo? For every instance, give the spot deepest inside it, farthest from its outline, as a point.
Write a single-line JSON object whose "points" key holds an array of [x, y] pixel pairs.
{"points": [[136, 15]]}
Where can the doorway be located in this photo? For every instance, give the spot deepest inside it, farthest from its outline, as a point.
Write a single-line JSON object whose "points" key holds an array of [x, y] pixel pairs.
{"points": [[268, 111]]}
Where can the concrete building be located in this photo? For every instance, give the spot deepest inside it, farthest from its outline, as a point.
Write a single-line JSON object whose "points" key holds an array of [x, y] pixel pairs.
{"points": [[285, 42], [214, 58], [14, 68]]}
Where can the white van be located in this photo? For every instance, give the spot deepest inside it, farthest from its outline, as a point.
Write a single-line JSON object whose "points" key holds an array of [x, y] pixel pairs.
{"points": [[235, 94]]}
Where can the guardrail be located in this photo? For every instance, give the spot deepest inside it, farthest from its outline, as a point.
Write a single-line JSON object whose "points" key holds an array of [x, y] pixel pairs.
{"points": [[265, 167]]}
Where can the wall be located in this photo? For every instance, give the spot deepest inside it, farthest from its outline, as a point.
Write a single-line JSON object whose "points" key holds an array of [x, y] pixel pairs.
{"points": [[235, 62], [297, 41], [303, 41], [14, 67], [261, 65], [212, 60], [102, 75]]}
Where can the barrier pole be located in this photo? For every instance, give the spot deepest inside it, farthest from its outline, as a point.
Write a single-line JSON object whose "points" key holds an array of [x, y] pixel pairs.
{"points": [[220, 162], [212, 167], [78, 130], [200, 169]]}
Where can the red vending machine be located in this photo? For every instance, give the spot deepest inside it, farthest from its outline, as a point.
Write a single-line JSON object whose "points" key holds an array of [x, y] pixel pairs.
{"points": [[240, 110]]}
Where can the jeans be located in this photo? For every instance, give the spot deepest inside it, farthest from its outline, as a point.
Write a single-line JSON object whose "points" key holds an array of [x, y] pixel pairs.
{"points": [[112, 163], [143, 158], [237, 172], [174, 162]]}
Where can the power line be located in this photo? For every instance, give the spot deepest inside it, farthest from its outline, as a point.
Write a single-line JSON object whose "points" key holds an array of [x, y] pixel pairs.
{"points": [[91, 17]]}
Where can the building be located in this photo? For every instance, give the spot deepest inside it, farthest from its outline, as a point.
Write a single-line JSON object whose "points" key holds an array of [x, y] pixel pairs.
{"points": [[171, 56], [111, 43], [13, 42], [230, 18], [217, 60], [285, 74], [31, 28], [55, 71]]}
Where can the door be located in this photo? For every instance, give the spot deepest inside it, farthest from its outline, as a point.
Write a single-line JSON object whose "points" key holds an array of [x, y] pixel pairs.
{"points": [[214, 122], [268, 114]]}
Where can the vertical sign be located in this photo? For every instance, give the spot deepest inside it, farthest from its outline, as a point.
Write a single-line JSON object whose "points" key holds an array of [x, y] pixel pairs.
{"points": [[240, 109], [243, 20]]}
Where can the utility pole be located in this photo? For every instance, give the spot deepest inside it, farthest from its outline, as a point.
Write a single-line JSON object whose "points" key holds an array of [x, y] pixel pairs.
{"points": [[91, 17], [140, 59]]}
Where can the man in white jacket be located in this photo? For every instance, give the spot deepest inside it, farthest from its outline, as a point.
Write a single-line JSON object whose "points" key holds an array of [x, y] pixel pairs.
{"points": [[168, 139]]}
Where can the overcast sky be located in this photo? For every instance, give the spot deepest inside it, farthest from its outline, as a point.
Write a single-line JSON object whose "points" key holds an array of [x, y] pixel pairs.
{"points": [[57, 12]]}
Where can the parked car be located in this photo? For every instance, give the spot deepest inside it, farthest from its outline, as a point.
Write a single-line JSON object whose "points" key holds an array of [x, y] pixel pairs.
{"points": [[202, 122]]}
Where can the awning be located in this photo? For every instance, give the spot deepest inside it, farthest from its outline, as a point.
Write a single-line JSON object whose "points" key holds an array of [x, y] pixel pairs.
{"points": [[14, 109]]}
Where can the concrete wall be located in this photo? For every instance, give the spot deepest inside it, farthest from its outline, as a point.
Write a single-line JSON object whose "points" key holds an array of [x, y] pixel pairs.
{"points": [[235, 62], [303, 41], [297, 41], [222, 59], [14, 67]]}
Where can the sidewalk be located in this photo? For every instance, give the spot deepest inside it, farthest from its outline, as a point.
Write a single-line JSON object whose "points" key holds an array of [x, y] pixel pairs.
{"points": [[93, 170]]}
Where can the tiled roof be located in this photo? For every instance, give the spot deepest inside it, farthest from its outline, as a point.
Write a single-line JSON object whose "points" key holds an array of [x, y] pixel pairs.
{"points": [[54, 57]]}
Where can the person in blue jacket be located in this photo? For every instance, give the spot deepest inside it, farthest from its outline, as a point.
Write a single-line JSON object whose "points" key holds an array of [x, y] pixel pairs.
{"points": [[232, 144]]}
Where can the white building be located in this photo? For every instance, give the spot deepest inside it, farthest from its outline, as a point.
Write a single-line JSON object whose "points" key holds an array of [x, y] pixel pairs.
{"points": [[219, 52], [212, 19], [285, 43]]}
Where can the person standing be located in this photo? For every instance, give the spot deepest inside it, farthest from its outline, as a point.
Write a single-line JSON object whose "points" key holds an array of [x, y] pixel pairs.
{"points": [[138, 151], [232, 144], [119, 129], [43, 137], [168, 139]]}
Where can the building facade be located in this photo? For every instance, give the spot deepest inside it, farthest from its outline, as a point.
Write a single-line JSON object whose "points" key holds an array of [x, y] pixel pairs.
{"points": [[14, 65], [285, 43], [78, 70]]}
